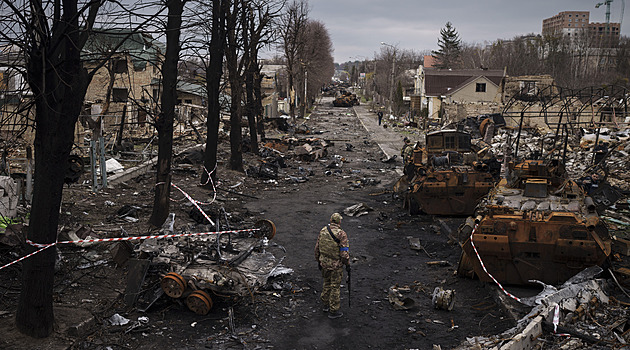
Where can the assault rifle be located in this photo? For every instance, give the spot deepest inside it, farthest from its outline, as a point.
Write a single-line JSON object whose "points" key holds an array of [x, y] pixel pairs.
{"points": [[349, 281]]}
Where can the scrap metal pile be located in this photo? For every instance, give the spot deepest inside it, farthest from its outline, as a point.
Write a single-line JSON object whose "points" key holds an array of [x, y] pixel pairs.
{"points": [[276, 151], [579, 314]]}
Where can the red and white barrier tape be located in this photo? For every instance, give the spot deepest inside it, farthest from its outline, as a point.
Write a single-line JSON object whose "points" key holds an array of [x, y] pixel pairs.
{"points": [[117, 239], [214, 188], [194, 202], [26, 256], [484, 267], [209, 173]]}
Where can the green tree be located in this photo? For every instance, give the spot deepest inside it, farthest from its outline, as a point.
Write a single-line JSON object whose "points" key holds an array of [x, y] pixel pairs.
{"points": [[448, 56]]}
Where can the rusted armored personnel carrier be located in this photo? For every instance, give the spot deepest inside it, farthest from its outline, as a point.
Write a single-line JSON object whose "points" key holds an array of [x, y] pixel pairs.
{"points": [[446, 177], [535, 225], [346, 99]]}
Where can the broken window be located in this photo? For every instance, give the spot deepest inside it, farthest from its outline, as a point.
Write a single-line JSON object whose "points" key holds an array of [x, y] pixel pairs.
{"points": [[528, 87], [119, 65], [188, 101], [481, 87], [120, 95], [464, 142], [142, 116]]}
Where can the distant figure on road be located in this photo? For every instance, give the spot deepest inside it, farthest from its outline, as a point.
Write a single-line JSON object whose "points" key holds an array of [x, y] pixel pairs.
{"points": [[331, 253], [380, 117]]}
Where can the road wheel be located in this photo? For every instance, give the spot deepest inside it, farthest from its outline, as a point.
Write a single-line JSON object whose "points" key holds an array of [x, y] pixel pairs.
{"points": [[173, 285], [199, 302], [267, 229]]}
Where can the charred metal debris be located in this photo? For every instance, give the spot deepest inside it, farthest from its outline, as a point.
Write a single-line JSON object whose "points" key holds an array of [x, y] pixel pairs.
{"points": [[199, 269]]}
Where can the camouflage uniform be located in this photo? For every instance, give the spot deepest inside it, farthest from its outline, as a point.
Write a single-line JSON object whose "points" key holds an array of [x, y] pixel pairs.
{"points": [[406, 151], [331, 258]]}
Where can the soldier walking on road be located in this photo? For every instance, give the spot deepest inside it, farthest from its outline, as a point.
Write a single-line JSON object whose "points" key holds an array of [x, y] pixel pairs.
{"points": [[331, 253], [406, 151], [380, 117]]}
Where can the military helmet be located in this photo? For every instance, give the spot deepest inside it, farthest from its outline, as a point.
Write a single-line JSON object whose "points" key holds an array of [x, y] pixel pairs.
{"points": [[336, 218]]}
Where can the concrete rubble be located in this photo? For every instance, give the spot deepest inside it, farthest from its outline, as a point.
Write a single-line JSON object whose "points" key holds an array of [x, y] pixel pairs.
{"points": [[577, 315]]}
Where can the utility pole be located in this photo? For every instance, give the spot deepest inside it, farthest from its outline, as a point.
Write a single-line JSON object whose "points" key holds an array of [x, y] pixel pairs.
{"points": [[391, 86]]}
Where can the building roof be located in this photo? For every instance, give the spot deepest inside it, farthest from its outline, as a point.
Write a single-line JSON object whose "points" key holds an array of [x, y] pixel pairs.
{"points": [[185, 87], [141, 47], [439, 82], [430, 61]]}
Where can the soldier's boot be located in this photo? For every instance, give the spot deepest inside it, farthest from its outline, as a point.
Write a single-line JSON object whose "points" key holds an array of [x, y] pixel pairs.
{"points": [[335, 314]]}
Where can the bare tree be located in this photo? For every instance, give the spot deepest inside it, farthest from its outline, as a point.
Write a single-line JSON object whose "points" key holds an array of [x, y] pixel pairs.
{"points": [[317, 65], [235, 62], [293, 23], [383, 80], [259, 17], [164, 122], [50, 36], [573, 61], [214, 71]]}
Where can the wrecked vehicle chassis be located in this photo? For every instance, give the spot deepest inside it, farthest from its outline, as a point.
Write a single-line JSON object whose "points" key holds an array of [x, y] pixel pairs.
{"points": [[524, 233], [228, 265], [454, 191], [446, 177]]}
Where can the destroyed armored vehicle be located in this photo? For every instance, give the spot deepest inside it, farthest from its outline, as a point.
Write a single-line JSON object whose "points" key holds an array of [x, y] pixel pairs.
{"points": [[227, 265], [445, 178], [537, 224], [346, 99]]}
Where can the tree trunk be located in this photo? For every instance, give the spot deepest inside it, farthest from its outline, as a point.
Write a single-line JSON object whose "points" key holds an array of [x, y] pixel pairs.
{"points": [[252, 111], [235, 77], [110, 87], [58, 87], [236, 112], [258, 98], [213, 84], [164, 123]]}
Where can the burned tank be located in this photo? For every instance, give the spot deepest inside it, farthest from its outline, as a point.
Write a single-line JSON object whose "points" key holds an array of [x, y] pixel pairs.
{"points": [[446, 177], [346, 99], [537, 224]]}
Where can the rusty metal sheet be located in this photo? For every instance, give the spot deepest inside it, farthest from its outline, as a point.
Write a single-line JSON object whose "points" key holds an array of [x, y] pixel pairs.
{"points": [[278, 146]]}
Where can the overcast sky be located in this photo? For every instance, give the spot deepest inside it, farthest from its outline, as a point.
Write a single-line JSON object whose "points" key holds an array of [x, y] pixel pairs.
{"points": [[357, 27]]}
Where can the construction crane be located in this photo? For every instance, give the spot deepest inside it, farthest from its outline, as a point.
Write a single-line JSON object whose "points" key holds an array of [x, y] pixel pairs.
{"points": [[607, 3]]}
